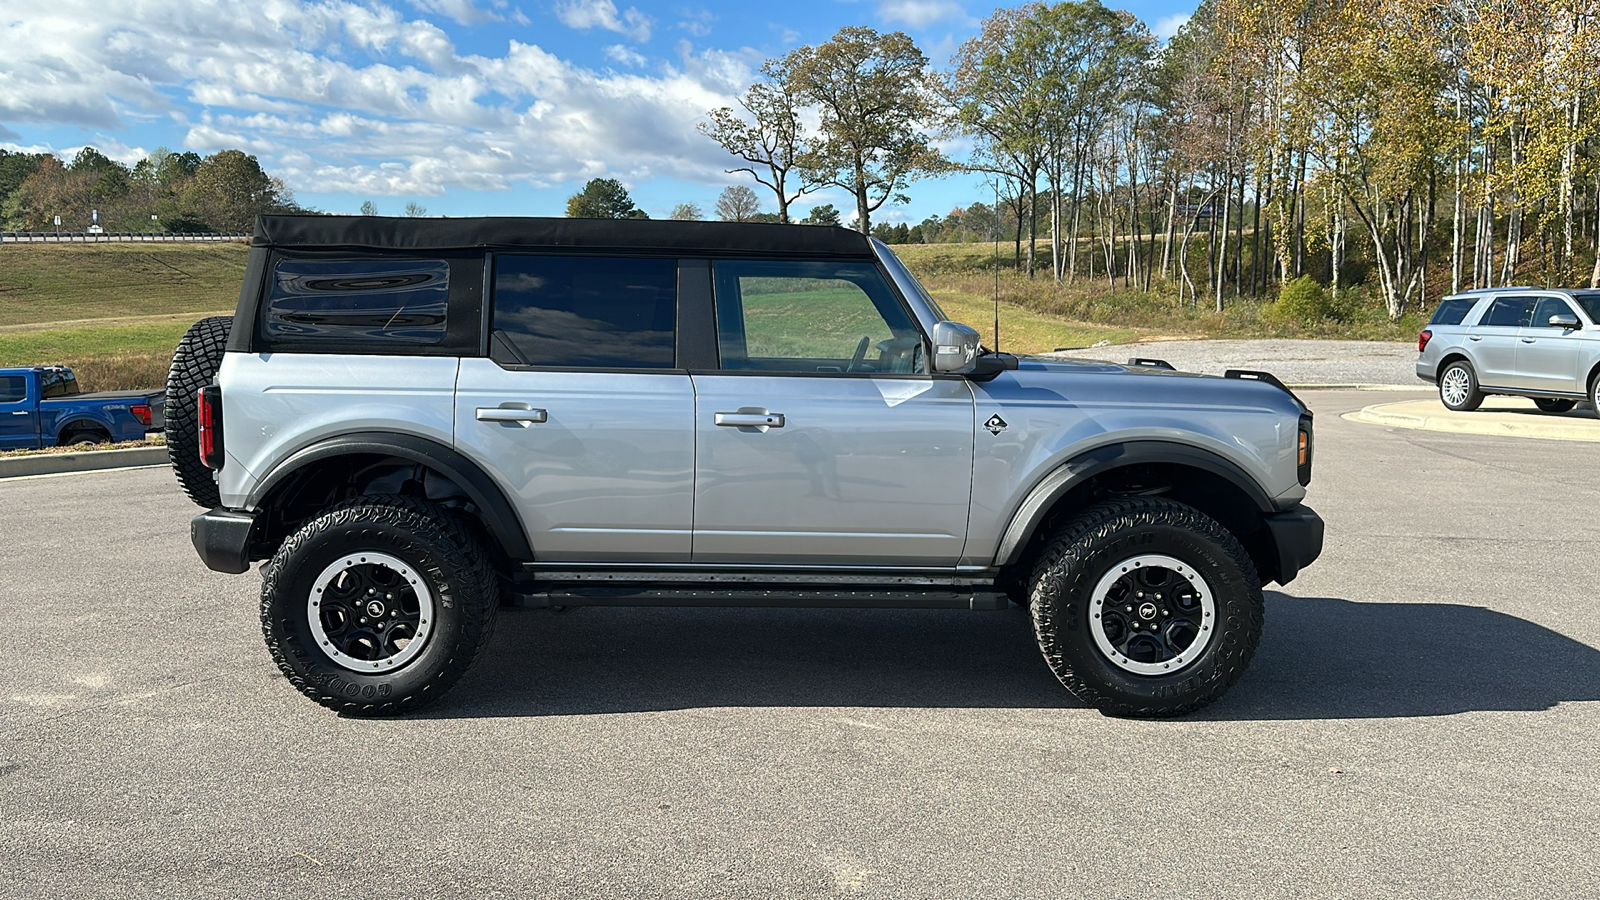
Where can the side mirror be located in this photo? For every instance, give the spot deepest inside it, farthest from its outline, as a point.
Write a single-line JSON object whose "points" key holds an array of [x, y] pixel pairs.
{"points": [[955, 347], [1564, 320]]}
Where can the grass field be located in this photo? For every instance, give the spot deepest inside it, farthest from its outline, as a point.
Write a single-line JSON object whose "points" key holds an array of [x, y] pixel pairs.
{"points": [[66, 282]]}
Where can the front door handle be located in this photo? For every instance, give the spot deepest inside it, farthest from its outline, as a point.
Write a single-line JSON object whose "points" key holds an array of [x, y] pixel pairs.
{"points": [[507, 414], [20, 412], [1529, 340], [750, 419]]}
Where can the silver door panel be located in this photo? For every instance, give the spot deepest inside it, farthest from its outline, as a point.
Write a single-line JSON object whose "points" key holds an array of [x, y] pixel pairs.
{"points": [[858, 471], [600, 465]]}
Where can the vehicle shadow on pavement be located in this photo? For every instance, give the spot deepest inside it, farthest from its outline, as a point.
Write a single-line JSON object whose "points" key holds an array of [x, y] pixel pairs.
{"points": [[1321, 658], [1326, 658]]}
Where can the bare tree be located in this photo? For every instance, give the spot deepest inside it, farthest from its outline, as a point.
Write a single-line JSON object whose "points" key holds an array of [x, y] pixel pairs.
{"points": [[738, 204]]}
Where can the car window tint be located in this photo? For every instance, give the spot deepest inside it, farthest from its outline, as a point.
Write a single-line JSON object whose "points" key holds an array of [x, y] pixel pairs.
{"points": [[359, 300], [1549, 306], [1452, 312], [57, 383], [1515, 312], [1590, 304], [588, 312], [13, 388], [784, 316]]}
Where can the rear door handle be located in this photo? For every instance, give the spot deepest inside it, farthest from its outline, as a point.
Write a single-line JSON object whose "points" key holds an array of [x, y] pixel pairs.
{"points": [[20, 412], [1529, 340], [503, 414], [747, 419], [1475, 337]]}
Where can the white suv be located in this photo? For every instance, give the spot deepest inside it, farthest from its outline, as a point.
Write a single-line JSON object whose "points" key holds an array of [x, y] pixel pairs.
{"points": [[1540, 343]]}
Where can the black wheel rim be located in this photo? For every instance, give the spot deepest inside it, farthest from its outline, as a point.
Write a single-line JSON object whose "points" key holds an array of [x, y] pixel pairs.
{"points": [[370, 612], [1152, 615]]}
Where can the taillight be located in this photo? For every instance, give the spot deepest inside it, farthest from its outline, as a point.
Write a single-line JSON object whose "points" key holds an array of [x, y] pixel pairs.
{"points": [[141, 411], [1422, 340], [210, 420], [1303, 460]]}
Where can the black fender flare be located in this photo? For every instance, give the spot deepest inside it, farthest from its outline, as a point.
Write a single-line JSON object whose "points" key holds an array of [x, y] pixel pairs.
{"points": [[499, 516], [1052, 487]]}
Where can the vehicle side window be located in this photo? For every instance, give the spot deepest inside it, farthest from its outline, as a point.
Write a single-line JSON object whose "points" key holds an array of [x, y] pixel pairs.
{"points": [[359, 300], [1550, 306], [1515, 312], [13, 388], [57, 384], [586, 312], [1452, 312], [810, 317]]}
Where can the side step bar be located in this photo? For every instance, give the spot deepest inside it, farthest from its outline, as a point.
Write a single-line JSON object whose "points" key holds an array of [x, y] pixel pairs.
{"points": [[775, 595]]}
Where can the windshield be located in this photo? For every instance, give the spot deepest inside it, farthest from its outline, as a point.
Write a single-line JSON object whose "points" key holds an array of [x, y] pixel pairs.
{"points": [[905, 278], [1591, 305]]}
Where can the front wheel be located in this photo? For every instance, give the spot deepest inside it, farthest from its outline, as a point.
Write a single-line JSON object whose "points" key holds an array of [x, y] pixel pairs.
{"points": [[1554, 405], [378, 605], [1146, 607]]}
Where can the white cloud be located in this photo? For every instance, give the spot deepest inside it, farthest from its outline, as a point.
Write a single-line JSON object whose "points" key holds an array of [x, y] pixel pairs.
{"points": [[922, 13], [1167, 26], [696, 21], [335, 96], [586, 14], [463, 12], [625, 56]]}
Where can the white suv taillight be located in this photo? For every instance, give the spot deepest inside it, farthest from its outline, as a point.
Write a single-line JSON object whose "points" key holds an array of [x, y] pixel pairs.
{"points": [[210, 431]]}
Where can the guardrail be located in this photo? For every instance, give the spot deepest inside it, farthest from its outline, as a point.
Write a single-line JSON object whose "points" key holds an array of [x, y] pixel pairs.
{"points": [[117, 237]]}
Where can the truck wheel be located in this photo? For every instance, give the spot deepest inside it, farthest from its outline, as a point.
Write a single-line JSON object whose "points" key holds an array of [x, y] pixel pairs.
{"points": [[1458, 387], [378, 605], [194, 364], [1146, 607], [84, 437]]}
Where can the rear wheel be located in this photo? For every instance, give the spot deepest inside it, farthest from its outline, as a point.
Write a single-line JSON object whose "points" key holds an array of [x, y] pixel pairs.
{"points": [[1458, 387], [194, 365], [84, 437], [1553, 405], [378, 605], [1146, 607]]}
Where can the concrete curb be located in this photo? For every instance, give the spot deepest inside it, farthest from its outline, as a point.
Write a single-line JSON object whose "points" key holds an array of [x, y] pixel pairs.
{"points": [[88, 461], [1483, 422], [1357, 387]]}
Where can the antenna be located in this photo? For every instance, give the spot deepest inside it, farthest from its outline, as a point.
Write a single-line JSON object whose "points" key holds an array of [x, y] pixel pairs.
{"points": [[996, 218]]}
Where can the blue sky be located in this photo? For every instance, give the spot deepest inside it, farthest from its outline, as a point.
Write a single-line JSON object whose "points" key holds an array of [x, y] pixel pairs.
{"points": [[465, 107]]}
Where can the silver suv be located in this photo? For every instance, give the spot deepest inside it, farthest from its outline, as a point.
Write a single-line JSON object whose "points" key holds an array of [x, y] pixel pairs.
{"points": [[412, 421], [1540, 343]]}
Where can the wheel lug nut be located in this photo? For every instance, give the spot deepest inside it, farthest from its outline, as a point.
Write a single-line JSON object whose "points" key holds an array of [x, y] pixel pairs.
{"points": [[1139, 594], [1127, 609]]}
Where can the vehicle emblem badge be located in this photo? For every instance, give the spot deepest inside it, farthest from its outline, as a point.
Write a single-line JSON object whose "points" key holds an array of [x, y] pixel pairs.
{"points": [[375, 609], [995, 424]]}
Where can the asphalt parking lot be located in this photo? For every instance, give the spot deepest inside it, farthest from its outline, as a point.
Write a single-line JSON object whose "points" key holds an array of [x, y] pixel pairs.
{"points": [[1421, 721]]}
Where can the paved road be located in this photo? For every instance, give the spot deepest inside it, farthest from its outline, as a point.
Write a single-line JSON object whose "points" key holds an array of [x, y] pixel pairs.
{"points": [[1293, 361], [1421, 721]]}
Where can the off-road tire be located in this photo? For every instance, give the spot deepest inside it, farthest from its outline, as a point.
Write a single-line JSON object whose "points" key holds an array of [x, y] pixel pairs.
{"points": [[425, 538], [1467, 400], [194, 365], [1554, 405], [1109, 534]]}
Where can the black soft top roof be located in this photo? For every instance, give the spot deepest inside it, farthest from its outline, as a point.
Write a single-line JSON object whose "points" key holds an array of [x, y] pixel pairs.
{"points": [[505, 232]]}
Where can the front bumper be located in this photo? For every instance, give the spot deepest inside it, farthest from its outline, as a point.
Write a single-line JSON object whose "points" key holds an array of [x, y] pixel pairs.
{"points": [[222, 538], [1297, 537]]}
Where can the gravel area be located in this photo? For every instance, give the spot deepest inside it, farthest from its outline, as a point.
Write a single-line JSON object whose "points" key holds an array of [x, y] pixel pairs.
{"points": [[1294, 362]]}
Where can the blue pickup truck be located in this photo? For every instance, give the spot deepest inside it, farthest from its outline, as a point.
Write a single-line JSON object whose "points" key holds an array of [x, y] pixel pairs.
{"points": [[41, 406]]}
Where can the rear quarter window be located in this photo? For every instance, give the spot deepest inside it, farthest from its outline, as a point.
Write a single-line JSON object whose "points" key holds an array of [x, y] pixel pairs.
{"points": [[584, 312], [1452, 312], [344, 301]]}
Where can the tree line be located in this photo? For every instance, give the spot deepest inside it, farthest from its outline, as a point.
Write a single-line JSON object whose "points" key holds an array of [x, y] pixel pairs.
{"points": [[1395, 142], [165, 191]]}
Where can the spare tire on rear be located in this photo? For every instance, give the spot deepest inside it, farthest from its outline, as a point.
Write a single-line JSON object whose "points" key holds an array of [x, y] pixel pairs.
{"points": [[194, 365]]}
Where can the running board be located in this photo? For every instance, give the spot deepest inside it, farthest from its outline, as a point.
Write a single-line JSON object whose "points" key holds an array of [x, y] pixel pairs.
{"points": [[776, 595]]}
